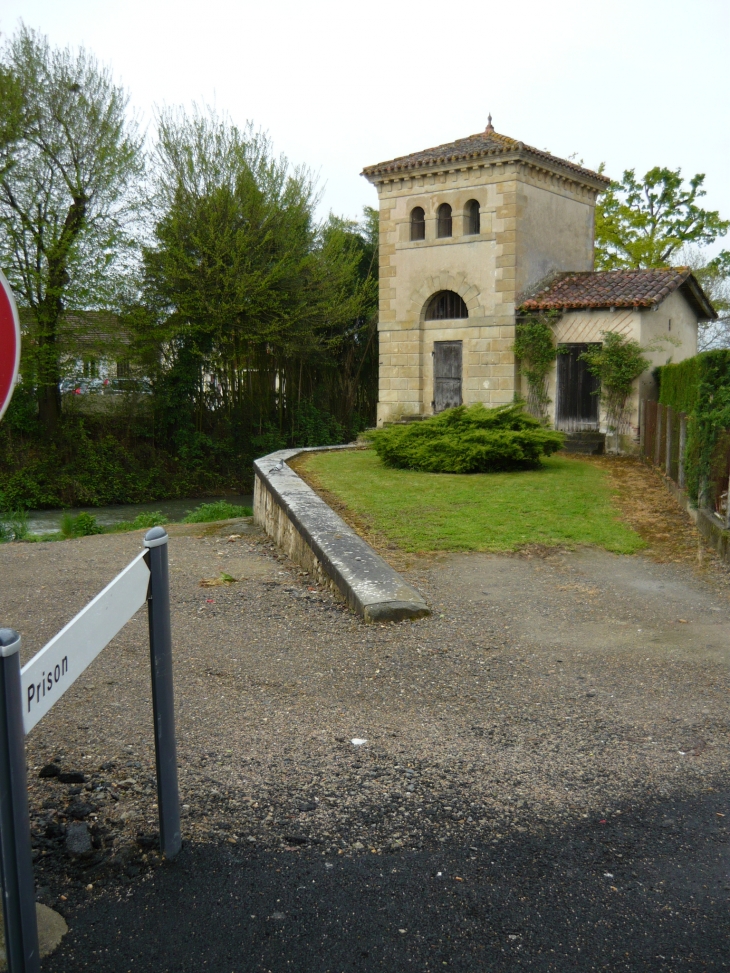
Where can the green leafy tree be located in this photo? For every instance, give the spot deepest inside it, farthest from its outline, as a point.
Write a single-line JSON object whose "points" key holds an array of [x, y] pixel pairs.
{"points": [[348, 253], [256, 308], [645, 222], [225, 274], [11, 114], [69, 185]]}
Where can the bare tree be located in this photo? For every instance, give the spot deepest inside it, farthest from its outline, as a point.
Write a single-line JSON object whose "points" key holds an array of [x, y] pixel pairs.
{"points": [[713, 273]]}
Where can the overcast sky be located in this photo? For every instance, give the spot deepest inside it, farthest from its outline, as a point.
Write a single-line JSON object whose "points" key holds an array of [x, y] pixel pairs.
{"points": [[340, 85]]}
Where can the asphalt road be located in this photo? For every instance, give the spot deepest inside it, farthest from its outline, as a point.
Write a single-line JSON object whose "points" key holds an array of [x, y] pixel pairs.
{"points": [[647, 889]]}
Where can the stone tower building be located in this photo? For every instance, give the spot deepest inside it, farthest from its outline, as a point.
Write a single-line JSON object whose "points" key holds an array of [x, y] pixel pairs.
{"points": [[466, 228]]}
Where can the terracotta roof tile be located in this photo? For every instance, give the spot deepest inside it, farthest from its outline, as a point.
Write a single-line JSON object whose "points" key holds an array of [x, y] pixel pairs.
{"points": [[616, 288], [479, 146]]}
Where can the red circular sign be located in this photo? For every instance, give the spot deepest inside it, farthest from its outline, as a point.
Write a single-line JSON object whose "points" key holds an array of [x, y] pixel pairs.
{"points": [[9, 343]]}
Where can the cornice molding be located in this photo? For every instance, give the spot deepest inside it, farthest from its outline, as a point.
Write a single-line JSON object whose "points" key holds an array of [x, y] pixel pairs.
{"points": [[564, 175], [392, 172]]}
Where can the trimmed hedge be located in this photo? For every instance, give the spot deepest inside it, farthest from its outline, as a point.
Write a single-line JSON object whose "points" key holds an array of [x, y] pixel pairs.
{"points": [[679, 384], [699, 387], [467, 440]]}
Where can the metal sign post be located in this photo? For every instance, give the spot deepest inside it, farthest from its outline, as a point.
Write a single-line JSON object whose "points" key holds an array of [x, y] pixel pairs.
{"points": [[163, 702], [16, 862], [27, 695]]}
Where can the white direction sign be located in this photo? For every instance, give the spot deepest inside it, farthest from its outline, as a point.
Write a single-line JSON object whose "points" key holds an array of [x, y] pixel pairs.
{"points": [[59, 663]]}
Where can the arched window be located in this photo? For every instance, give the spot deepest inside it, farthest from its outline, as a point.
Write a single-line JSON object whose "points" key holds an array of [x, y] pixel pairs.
{"points": [[446, 305], [418, 224], [444, 220], [471, 217]]}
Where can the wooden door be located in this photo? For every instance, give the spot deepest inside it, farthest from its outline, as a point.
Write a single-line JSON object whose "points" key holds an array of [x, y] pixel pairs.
{"points": [[446, 375], [577, 402]]}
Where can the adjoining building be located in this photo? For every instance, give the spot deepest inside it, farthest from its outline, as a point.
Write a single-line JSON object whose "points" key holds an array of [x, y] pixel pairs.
{"points": [[478, 230], [658, 308], [95, 360]]}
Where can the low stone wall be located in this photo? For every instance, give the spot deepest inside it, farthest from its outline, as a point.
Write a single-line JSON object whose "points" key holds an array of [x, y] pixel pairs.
{"points": [[314, 536], [716, 535]]}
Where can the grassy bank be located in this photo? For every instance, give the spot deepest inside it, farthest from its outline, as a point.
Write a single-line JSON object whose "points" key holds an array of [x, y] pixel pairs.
{"points": [[566, 502], [14, 526]]}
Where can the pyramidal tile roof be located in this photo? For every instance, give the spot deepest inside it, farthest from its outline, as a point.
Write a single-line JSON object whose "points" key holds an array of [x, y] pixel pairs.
{"points": [[483, 145], [617, 288]]}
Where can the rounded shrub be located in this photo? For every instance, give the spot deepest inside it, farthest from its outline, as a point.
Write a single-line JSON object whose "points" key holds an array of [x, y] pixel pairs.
{"points": [[469, 439]]}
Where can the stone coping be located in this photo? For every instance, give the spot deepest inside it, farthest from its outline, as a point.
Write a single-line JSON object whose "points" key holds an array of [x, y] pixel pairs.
{"points": [[315, 537]]}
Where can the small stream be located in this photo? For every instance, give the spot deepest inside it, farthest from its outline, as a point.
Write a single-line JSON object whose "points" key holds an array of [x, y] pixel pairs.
{"points": [[47, 521]]}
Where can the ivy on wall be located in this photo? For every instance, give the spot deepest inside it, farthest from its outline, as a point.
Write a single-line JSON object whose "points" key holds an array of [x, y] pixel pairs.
{"points": [[617, 362], [535, 350]]}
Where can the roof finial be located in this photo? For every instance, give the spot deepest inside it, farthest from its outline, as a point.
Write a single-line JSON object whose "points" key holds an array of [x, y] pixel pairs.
{"points": [[489, 127]]}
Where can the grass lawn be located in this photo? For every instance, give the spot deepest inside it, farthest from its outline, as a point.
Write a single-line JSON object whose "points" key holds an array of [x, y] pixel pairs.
{"points": [[566, 502]]}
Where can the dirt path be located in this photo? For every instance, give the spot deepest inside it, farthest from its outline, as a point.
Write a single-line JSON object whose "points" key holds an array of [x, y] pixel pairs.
{"points": [[647, 505], [549, 692]]}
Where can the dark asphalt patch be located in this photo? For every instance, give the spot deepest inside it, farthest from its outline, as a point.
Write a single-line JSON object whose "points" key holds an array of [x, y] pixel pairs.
{"points": [[646, 889]]}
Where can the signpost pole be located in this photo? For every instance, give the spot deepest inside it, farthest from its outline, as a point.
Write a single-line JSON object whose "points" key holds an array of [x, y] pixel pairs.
{"points": [[16, 862], [168, 799]]}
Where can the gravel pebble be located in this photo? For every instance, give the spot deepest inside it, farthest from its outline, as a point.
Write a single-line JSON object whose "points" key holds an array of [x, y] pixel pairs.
{"points": [[78, 840]]}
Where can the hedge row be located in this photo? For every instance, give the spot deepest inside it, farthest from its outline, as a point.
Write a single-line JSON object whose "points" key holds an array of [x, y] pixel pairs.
{"points": [[696, 383], [699, 387]]}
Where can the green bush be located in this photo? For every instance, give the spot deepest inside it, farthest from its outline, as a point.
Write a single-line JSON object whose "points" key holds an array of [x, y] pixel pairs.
{"points": [[82, 525], [220, 510], [14, 526], [315, 427], [268, 441], [467, 440], [155, 518], [311, 426], [92, 461]]}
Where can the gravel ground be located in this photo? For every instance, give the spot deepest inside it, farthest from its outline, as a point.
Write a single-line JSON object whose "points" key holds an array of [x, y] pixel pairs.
{"points": [[552, 694]]}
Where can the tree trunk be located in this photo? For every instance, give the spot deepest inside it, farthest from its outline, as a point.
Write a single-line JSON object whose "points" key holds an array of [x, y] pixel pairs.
{"points": [[49, 407], [49, 314], [49, 372]]}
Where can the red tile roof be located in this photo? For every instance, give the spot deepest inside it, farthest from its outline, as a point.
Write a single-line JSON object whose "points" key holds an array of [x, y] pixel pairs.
{"points": [[618, 288], [480, 146]]}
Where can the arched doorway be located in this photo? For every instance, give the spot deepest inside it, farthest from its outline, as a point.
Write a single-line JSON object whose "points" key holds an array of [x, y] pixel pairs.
{"points": [[448, 354]]}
